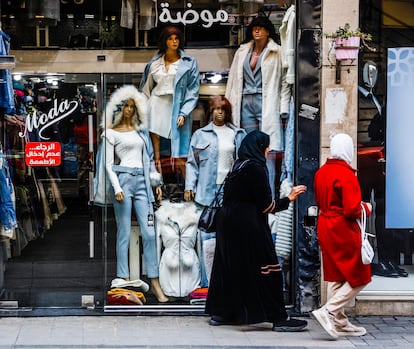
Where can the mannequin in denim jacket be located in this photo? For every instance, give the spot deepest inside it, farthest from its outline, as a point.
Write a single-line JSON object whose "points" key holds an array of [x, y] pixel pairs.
{"points": [[213, 149]]}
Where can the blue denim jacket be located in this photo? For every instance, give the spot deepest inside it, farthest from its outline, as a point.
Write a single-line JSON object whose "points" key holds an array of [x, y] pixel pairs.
{"points": [[185, 97], [201, 167]]}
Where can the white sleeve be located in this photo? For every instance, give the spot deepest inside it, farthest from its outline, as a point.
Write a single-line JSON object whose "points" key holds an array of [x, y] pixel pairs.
{"points": [[109, 161]]}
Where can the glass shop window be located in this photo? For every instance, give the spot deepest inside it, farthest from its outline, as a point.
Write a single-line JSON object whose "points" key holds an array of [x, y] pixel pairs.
{"points": [[119, 24]]}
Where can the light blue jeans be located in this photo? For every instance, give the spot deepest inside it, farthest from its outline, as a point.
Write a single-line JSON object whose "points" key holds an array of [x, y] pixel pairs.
{"points": [[7, 211], [204, 237], [135, 197], [251, 119]]}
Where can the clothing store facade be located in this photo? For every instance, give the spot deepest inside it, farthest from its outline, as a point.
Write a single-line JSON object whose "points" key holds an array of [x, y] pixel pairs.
{"points": [[66, 58]]}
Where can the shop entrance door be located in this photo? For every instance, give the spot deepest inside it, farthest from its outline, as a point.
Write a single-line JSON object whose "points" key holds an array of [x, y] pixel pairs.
{"points": [[54, 260]]}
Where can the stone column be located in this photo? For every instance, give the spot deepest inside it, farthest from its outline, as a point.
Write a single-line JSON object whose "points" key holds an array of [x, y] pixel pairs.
{"points": [[339, 101]]}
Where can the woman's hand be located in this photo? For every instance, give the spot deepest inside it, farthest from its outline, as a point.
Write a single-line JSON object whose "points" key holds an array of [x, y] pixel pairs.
{"points": [[188, 195], [119, 196], [369, 206], [158, 193], [180, 121], [296, 191]]}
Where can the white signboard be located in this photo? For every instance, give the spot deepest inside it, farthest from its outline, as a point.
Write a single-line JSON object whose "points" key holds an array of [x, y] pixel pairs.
{"points": [[399, 177]]}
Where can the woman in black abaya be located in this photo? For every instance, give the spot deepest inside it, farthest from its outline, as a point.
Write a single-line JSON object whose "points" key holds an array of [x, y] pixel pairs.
{"points": [[246, 279]]}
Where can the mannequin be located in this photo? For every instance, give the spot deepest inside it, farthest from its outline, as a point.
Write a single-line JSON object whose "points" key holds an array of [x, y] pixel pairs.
{"points": [[257, 88], [213, 149], [127, 139], [177, 233], [171, 82]]}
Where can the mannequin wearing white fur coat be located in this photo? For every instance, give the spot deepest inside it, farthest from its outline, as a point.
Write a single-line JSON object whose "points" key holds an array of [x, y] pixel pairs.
{"points": [[176, 228]]}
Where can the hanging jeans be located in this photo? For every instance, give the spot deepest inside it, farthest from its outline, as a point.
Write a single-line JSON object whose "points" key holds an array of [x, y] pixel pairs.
{"points": [[7, 211], [135, 197]]}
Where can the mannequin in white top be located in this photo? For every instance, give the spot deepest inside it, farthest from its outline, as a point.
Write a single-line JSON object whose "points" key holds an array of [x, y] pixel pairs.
{"points": [[130, 166], [213, 149]]}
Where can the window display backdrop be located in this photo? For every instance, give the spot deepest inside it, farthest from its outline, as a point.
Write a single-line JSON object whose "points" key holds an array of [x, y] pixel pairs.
{"points": [[400, 123]]}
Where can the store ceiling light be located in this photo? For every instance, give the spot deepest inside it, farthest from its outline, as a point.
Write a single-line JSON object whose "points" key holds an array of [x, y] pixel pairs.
{"points": [[216, 78]]}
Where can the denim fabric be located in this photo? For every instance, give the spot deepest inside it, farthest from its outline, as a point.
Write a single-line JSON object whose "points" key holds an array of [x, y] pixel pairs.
{"points": [[185, 98], [135, 197], [201, 166], [289, 139], [7, 211], [252, 80], [252, 120], [204, 237], [6, 87], [251, 117], [103, 191]]}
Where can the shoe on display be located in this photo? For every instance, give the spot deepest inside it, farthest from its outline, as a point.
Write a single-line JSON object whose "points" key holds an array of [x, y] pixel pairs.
{"points": [[289, 325], [326, 321], [350, 330], [383, 269], [397, 269], [119, 283]]}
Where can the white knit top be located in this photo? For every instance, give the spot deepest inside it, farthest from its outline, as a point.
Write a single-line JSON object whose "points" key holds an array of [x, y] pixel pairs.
{"points": [[225, 136], [128, 148]]}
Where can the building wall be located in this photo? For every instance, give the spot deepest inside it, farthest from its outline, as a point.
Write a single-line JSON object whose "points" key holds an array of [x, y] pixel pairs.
{"points": [[334, 15], [116, 61]]}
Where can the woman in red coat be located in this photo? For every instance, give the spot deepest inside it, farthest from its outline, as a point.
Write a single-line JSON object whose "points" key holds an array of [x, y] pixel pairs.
{"points": [[338, 196]]}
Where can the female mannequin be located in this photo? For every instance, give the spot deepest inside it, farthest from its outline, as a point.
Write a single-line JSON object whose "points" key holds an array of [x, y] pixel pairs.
{"points": [[213, 149], [171, 82], [257, 88], [127, 139]]}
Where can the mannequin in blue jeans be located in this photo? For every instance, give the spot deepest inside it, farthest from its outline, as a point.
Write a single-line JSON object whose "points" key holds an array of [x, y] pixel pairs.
{"points": [[257, 87], [131, 170]]}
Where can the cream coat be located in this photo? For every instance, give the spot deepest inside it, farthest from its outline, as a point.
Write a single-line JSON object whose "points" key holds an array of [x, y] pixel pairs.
{"points": [[276, 92]]}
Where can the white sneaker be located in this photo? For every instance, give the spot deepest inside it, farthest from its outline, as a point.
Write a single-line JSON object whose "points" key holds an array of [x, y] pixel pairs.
{"points": [[350, 330], [326, 321]]}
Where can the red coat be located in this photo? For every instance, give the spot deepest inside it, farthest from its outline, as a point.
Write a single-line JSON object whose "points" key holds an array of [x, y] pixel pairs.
{"points": [[338, 196]]}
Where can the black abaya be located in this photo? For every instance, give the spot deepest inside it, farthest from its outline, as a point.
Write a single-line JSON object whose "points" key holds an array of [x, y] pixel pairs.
{"points": [[246, 281]]}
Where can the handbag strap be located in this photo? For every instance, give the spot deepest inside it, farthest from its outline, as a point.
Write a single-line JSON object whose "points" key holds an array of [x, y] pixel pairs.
{"points": [[216, 201], [362, 222]]}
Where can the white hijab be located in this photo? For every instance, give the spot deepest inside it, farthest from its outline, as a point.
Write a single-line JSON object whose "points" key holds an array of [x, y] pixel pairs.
{"points": [[342, 147]]}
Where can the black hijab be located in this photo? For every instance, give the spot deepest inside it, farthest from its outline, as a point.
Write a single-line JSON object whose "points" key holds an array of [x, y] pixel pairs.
{"points": [[253, 147]]}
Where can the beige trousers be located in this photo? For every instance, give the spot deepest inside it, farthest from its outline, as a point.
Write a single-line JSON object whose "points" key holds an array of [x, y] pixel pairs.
{"points": [[339, 293]]}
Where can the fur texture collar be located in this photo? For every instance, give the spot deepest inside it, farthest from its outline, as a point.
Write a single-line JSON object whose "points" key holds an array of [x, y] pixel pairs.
{"points": [[113, 109], [184, 214]]}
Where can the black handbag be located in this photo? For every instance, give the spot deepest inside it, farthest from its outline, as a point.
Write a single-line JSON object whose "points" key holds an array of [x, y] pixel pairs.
{"points": [[207, 221]]}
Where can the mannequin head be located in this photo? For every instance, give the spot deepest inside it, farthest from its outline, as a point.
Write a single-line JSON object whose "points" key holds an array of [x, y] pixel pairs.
{"points": [[220, 110], [166, 34]]}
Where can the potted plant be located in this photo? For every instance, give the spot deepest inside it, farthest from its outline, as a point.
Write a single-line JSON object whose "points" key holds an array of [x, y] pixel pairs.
{"points": [[347, 42]]}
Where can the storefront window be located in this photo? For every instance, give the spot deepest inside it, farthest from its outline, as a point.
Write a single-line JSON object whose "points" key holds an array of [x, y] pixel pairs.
{"points": [[380, 147], [63, 252]]}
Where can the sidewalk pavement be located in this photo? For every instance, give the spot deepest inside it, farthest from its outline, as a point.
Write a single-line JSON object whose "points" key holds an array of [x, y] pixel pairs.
{"points": [[189, 332]]}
